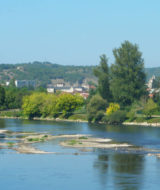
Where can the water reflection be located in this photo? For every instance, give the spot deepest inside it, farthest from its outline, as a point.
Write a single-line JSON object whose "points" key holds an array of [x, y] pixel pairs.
{"points": [[101, 165], [120, 171], [126, 168], [2, 123]]}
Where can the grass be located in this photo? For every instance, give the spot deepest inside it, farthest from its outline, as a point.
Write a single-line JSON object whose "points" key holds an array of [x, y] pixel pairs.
{"points": [[144, 119], [154, 120], [33, 139], [83, 137], [10, 144], [38, 139], [72, 142], [82, 117], [11, 113]]}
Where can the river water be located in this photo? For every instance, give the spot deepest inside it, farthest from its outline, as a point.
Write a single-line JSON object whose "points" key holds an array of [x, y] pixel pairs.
{"points": [[98, 170]]}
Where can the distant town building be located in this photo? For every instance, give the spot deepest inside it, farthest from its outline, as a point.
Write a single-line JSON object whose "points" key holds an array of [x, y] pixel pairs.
{"points": [[64, 86], [67, 89], [25, 83], [20, 68], [50, 90], [86, 86], [84, 95], [7, 83], [79, 89], [150, 82], [58, 82]]}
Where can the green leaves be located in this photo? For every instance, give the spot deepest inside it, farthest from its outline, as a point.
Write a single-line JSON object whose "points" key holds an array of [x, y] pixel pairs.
{"points": [[95, 107], [67, 103], [127, 74], [50, 105], [149, 108], [102, 73]]}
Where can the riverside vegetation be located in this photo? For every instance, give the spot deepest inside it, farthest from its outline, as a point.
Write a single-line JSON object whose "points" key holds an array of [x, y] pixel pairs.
{"points": [[120, 95]]}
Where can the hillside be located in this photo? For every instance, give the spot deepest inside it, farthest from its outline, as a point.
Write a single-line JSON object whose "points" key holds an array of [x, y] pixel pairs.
{"points": [[44, 72], [152, 71]]}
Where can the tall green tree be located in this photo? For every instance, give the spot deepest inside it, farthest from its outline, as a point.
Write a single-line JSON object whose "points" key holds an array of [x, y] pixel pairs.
{"points": [[127, 74], [102, 73], [2, 97]]}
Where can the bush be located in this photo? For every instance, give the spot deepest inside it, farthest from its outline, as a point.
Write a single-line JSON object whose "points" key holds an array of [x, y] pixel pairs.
{"points": [[113, 107], [140, 119], [99, 115], [67, 103], [78, 117], [154, 120], [105, 119], [149, 108], [131, 115], [96, 104], [117, 117]]}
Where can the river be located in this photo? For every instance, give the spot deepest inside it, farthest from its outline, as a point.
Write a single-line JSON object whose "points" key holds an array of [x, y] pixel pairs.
{"points": [[98, 170]]}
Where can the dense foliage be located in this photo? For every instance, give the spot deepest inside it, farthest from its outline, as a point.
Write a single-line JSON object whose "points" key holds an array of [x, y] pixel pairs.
{"points": [[113, 107], [11, 98], [127, 73], [50, 105], [102, 73], [44, 72], [96, 108], [122, 84]]}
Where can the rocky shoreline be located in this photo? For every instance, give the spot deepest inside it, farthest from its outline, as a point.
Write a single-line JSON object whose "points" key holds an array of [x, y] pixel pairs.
{"points": [[145, 124], [22, 142]]}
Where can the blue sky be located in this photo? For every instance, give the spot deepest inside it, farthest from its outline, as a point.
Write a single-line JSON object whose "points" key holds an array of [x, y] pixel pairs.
{"points": [[77, 32]]}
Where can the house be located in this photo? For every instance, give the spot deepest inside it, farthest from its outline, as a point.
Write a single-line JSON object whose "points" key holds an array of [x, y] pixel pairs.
{"points": [[25, 83], [150, 82]]}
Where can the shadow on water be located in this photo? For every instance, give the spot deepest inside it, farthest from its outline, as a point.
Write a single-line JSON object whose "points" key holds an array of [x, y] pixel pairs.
{"points": [[2, 124], [120, 171], [126, 168], [101, 165]]}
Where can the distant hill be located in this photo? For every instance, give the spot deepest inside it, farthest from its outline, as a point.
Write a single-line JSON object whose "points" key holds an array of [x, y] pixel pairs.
{"points": [[152, 71], [44, 72]]}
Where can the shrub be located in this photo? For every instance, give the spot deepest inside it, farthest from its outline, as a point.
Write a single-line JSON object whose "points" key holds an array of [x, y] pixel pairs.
{"points": [[105, 119], [78, 117], [113, 107], [140, 119], [96, 104], [68, 103], [149, 108], [117, 117], [99, 115], [131, 115]]}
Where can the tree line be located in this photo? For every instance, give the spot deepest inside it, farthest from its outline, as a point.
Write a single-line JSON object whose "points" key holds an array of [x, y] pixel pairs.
{"points": [[120, 94], [122, 84]]}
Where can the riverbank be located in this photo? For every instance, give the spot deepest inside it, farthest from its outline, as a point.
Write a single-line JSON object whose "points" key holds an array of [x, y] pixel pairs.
{"points": [[145, 123], [45, 119]]}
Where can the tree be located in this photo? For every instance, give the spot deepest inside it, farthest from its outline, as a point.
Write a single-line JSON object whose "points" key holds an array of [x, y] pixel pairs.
{"points": [[67, 103], [2, 97], [150, 108], [32, 105], [127, 74], [102, 73], [48, 107], [95, 107]]}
